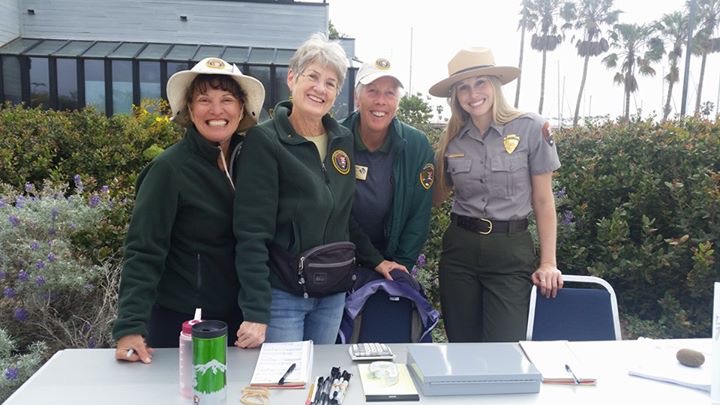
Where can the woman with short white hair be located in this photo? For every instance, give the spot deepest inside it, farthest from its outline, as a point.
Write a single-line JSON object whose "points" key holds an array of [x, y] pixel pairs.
{"points": [[295, 188]]}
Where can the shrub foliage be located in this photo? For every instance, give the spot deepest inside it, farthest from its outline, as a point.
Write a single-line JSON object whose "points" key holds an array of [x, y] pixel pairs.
{"points": [[640, 207]]}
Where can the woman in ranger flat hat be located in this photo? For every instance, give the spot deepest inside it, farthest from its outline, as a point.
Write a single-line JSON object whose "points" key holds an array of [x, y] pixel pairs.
{"points": [[499, 163], [179, 250]]}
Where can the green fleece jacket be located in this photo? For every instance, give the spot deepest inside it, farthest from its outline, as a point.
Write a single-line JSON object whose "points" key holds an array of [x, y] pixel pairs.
{"points": [[179, 250], [287, 196], [408, 223]]}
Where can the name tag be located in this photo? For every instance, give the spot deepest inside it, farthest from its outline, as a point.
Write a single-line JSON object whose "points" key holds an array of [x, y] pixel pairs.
{"points": [[361, 172], [456, 155]]}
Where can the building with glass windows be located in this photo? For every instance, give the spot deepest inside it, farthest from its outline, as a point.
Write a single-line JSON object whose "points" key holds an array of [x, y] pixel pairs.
{"points": [[112, 54]]}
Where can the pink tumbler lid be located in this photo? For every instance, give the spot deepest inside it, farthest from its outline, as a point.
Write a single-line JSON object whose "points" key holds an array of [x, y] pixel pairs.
{"points": [[187, 326]]}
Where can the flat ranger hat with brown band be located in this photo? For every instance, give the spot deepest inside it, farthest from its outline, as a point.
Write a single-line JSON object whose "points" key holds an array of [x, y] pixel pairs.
{"points": [[471, 62]]}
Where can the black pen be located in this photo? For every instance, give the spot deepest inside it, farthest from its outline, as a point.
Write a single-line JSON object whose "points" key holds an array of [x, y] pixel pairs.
{"points": [[318, 391], [569, 370], [287, 373]]}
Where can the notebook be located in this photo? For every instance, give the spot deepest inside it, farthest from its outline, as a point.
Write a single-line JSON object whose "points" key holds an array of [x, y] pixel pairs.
{"points": [[275, 360], [557, 363]]}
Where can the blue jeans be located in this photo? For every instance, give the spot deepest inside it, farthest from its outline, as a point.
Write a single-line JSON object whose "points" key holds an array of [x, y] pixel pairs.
{"points": [[294, 318]]}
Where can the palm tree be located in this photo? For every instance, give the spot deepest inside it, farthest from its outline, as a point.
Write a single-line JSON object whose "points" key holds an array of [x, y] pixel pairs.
{"points": [[526, 23], [705, 41], [595, 18], [673, 29], [546, 37], [636, 49]]}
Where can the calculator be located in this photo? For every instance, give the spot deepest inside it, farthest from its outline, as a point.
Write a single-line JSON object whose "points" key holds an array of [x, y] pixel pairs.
{"points": [[370, 351]]}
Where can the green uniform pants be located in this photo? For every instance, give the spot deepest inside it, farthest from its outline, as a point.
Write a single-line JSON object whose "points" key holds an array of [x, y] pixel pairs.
{"points": [[485, 285]]}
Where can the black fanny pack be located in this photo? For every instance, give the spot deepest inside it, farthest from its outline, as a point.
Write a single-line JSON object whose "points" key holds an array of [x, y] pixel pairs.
{"points": [[317, 272]]}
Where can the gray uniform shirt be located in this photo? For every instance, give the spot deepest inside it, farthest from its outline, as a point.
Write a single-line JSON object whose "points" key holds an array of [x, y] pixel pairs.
{"points": [[491, 175]]}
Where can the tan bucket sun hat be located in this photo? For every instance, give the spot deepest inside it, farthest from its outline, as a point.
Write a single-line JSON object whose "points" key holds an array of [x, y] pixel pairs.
{"points": [[179, 84], [470, 62]]}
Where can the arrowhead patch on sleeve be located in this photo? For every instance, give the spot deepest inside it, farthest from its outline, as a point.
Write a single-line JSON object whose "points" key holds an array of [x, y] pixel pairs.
{"points": [[427, 176], [547, 134]]}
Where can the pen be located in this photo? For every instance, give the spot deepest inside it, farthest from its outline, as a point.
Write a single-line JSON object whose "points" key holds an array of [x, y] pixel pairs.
{"points": [[287, 373], [569, 370], [310, 396], [345, 381], [129, 353], [318, 389]]}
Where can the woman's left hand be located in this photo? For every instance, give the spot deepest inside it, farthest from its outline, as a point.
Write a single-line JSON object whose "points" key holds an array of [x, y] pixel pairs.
{"points": [[549, 279]]}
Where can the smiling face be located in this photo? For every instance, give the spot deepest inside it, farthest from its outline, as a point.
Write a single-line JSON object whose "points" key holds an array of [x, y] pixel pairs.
{"points": [[476, 96], [216, 114], [314, 90], [377, 103]]}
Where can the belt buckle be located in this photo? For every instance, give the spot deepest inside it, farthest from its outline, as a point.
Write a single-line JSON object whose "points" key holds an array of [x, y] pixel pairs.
{"points": [[490, 224]]}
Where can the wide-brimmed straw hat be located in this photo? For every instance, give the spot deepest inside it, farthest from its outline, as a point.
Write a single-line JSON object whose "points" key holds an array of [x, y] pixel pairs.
{"points": [[470, 62], [371, 71], [179, 84]]}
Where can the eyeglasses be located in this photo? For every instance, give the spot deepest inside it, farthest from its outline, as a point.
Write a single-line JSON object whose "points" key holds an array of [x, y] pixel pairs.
{"points": [[316, 78]]}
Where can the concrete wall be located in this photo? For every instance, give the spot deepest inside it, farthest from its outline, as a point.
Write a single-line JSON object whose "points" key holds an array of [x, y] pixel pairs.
{"points": [[208, 21], [9, 20]]}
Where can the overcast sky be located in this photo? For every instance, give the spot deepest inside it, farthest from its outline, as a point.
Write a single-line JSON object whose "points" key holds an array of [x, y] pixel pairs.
{"points": [[440, 28]]}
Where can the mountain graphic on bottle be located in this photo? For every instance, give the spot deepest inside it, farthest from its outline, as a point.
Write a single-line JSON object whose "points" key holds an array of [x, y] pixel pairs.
{"points": [[201, 372]]}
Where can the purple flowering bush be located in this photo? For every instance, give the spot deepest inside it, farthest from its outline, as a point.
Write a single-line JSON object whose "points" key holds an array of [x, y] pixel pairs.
{"points": [[55, 289], [16, 367]]}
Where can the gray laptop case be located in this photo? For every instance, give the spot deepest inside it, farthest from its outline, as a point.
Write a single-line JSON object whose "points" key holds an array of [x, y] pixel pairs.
{"points": [[472, 368]]}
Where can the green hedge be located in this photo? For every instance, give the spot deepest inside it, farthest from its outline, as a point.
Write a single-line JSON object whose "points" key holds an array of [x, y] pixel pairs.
{"points": [[637, 202], [639, 206], [37, 144]]}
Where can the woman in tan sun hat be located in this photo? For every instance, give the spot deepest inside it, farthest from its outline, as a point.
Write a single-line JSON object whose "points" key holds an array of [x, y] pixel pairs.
{"points": [[179, 250], [499, 163]]}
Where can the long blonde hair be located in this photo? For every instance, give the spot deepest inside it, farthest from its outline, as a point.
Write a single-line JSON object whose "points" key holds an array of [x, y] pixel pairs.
{"points": [[502, 113]]}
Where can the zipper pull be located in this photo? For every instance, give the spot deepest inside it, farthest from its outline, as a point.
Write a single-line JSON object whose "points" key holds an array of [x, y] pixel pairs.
{"points": [[325, 173]]}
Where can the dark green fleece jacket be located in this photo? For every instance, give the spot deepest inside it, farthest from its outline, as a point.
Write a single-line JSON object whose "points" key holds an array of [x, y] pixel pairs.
{"points": [[179, 250], [287, 196]]}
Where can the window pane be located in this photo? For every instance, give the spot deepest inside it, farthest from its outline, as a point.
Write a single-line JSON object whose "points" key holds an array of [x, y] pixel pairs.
{"points": [[262, 73], [149, 79], [67, 84], [282, 91], [95, 84], [122, 86], [341, 108], [174, 67], [39, 82], [12, 88]]}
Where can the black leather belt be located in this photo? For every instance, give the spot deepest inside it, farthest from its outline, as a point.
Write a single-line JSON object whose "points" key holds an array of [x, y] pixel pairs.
{"points": [[486, 226]]}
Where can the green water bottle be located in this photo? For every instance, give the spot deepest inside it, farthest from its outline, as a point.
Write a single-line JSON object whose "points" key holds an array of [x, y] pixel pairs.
{"points": [[209, 346]]}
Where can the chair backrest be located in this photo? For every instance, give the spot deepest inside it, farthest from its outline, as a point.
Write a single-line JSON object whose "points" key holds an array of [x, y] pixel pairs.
{"points": [[576, 314]]}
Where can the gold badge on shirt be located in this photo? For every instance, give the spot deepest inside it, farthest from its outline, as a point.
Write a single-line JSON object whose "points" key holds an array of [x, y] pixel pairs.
{"points": [[511, 142], [341, 161], [361, 172]]}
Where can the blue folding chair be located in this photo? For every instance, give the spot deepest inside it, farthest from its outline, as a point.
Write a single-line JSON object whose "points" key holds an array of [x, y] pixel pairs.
{"points": [[576, 314]]}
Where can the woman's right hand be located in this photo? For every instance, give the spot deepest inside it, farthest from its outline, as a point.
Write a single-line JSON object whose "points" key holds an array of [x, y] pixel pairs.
{"points": [[250, 334], [386, 266], [133, 348]]}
